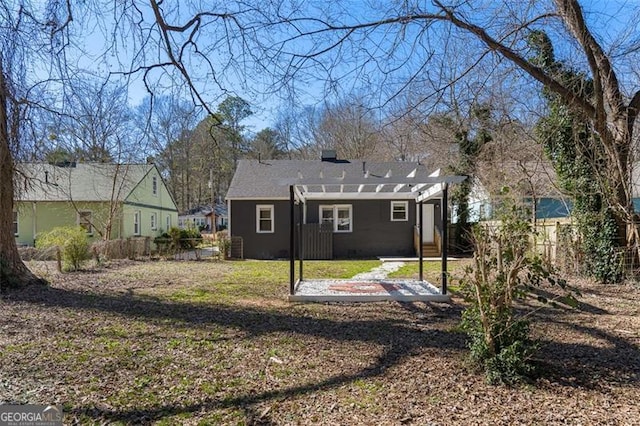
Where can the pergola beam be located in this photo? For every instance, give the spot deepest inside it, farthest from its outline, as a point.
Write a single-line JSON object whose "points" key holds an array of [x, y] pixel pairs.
{"points": [[430, 193], [375, 180], [364, 195], [299, 194]]}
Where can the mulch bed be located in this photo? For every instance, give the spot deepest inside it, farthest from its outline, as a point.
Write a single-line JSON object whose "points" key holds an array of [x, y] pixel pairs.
{"points": [[112, 346]]}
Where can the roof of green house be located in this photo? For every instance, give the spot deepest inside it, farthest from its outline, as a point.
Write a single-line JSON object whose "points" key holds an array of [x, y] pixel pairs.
{"points": [[78, 181]]}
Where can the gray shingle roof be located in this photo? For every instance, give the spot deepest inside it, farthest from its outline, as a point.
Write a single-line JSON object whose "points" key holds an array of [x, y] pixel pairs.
{"points": [[84, 182], [270, 178]]}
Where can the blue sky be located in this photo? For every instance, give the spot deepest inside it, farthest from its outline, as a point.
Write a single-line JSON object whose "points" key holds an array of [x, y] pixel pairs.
{"points": [[609, 19]]}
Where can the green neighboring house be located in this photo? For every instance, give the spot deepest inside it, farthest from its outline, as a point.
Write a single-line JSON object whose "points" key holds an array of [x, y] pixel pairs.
{"points": [[108, 200]]}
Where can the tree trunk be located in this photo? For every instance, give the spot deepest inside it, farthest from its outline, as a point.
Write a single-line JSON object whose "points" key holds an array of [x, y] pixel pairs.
{"points": [[617, 179], [13, 272]]}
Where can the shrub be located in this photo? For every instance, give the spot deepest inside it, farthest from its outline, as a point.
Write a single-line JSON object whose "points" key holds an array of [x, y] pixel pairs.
{"points": [[182, 238], [599, 233], [504, 270], [224, 243], [72, 242], [190, 238]]}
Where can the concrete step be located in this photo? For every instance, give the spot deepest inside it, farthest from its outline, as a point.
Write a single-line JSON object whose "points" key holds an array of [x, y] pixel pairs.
{"points": [[430, 250]]}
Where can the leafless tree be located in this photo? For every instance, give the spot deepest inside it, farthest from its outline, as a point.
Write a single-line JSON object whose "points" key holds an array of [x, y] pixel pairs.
{"points": [[347, 126], [168, 122], [297, 127], [412, 38], [383, 48], [24, 38], [350, 128], [96, 122]]}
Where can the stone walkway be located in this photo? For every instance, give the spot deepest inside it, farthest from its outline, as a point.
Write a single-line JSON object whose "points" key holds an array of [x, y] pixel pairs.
{"points": [[379, 273]]}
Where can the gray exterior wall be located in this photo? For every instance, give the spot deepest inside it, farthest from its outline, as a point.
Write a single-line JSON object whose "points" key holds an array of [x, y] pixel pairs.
{"points": [[373, 233], [262, 245]]}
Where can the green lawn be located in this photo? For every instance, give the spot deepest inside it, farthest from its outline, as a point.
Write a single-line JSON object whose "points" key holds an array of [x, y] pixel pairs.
{"points": [[264, 279], [432, 271]]}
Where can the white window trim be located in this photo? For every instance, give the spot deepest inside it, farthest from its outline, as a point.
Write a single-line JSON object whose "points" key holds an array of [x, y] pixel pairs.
{"points": [[154, 186], [168, 222], [269, 207], [154, 221], [90, 232], [335, 208], [137, 223], [405, 204], [17, 223]]}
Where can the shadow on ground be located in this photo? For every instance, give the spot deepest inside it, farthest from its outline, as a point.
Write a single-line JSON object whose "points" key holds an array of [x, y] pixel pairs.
{"points": [[568, 364], [399, 338], [614, 360]]}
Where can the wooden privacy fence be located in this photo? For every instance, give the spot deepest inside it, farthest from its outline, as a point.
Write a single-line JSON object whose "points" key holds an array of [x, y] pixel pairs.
{"points": [[316, 242], [555, 240], [129, 248]]}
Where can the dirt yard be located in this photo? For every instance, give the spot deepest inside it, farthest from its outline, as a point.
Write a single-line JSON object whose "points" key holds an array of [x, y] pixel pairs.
{"points": [[216, 343]]}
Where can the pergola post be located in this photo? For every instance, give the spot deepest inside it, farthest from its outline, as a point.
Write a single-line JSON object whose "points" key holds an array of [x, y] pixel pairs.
{"points": [[300, 238], [445, 235], [420, 257], [292, 230]]}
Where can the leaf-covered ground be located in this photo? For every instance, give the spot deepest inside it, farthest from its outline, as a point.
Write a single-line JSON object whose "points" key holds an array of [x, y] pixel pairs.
{"points": [[216, 343]]}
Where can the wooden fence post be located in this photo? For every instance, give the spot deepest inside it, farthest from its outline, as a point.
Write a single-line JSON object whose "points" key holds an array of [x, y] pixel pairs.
{"points": [[59, 259]]}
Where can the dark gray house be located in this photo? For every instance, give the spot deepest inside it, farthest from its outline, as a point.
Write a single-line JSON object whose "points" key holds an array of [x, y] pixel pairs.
{"points": [[339, 208]]}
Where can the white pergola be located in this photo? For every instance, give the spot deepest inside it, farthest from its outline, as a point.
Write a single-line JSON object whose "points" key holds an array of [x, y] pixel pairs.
{"points": [[370, 187]]}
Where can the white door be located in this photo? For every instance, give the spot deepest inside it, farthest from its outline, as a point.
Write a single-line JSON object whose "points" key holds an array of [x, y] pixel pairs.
{"points": [[427, 223]]}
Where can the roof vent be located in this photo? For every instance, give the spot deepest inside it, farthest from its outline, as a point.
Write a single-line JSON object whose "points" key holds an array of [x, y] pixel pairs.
{"points": [[329, 155]]}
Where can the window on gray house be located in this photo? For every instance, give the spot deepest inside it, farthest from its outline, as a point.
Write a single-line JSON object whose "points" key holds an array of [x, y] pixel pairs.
{"points": [[399, 211], [339, 215], [264, 218]]}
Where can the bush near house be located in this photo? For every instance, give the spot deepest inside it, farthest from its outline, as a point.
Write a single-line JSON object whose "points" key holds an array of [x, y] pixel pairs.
{"points": [[224, 243], [177, 239], [72, 242]]}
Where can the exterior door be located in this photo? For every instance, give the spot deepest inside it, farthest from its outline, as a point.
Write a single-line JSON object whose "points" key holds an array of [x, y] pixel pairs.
{"points": [[427, 223]]}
